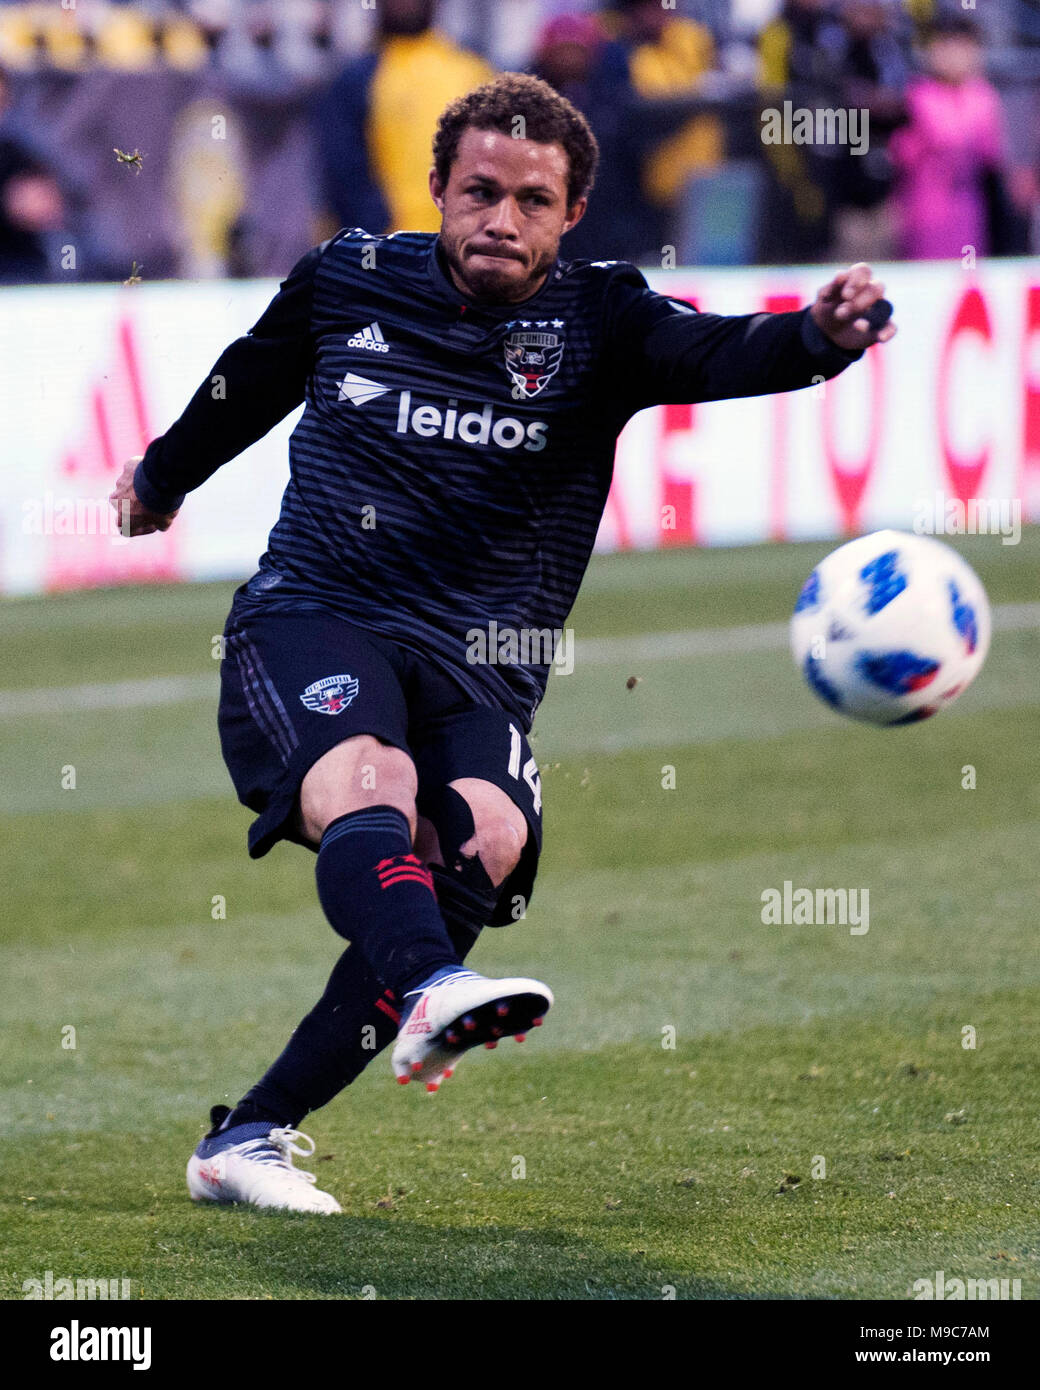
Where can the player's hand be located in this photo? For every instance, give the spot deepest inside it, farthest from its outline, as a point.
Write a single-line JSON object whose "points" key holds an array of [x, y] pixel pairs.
{"points": [[840, 306], [134, 517]]}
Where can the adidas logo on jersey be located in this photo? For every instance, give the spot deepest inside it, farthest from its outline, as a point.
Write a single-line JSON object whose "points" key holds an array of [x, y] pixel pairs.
{"points": [[370, 338]]}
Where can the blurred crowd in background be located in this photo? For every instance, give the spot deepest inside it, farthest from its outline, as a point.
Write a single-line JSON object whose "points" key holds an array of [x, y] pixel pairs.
{"points": [[225, 137]]}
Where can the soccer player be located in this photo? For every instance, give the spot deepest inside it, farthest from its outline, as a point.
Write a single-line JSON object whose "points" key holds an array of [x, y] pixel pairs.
{"points": [[464, 392]]}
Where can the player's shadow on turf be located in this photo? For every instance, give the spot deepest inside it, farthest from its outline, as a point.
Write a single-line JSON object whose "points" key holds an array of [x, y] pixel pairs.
{"points": [[349, 1257]]}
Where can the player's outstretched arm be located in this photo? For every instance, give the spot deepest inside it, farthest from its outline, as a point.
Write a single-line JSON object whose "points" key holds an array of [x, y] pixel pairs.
{"points": [[660, 350], [254, 383]]}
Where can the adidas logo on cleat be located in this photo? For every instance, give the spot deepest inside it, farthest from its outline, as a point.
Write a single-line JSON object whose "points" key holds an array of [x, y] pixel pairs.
{"points": [[370, 339], [418, 1022], [461, 1010]]}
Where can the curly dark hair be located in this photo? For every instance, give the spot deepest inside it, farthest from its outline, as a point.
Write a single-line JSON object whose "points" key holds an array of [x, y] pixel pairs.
{"points": [[547, 117]]}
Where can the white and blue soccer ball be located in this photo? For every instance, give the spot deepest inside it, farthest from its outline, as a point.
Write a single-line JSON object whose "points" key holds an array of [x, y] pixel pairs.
{"points": [[891, 627]]}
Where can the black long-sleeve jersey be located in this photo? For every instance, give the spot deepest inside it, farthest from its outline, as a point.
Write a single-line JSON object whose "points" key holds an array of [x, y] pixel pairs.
{"points": [[454, 458]]}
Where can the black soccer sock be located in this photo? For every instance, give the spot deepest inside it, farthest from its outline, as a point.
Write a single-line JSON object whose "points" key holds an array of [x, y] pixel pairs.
{"points": [[465, 909], [357, 1016], [249, 1111], [354, 1019], [351, 1023], [377, 894]]}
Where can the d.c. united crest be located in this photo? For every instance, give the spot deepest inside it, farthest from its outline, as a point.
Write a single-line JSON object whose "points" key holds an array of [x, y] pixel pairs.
{"points": [[532, 355], [330, 695]]}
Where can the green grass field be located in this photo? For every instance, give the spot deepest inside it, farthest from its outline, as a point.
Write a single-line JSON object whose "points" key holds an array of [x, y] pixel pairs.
{"points": [[818, 1130]]}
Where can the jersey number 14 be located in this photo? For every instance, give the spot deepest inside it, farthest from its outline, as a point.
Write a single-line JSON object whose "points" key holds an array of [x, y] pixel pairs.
{"points": [[530, 770]]}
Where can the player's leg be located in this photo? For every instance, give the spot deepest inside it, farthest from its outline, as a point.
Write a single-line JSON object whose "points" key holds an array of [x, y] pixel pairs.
{"points": [[276, 702], [357, 804], [326, 762], [479, 787], [377, 893], [475, 840], [471, 838], [478, 784], [479, 825], [357, 1015]]}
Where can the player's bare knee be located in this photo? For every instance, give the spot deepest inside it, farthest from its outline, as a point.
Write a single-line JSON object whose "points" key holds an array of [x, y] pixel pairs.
{"points": [[498, 842], [499, 827]]}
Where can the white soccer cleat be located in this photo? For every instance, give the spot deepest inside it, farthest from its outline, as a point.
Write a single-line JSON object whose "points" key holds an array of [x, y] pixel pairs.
{"points": [[260, 1173], [463, 1011]]}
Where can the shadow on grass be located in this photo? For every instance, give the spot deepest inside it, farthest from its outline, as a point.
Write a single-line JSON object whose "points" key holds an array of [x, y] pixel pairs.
{"points": [[389, 1257]]}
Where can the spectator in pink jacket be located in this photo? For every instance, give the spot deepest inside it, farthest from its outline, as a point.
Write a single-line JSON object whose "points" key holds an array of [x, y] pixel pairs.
{"points": [[951, 146]]}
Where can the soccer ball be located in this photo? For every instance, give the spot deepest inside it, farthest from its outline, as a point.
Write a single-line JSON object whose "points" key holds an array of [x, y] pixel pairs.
{"points": [[891, 627]]}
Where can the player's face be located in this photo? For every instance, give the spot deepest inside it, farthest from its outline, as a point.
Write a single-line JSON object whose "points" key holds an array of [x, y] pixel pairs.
{"points": [[504, 210]]}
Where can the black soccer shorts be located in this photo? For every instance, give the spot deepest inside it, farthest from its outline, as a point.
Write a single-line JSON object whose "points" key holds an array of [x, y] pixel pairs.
{"points": [[296, 683]]}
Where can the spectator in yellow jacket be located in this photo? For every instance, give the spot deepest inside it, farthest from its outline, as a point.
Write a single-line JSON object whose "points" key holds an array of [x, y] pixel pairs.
{"points": [[668, 55], [374, 126]]}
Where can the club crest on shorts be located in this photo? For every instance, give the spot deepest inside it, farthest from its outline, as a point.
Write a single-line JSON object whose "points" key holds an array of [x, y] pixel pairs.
{"points": [[532, 354], [330, 695]]}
